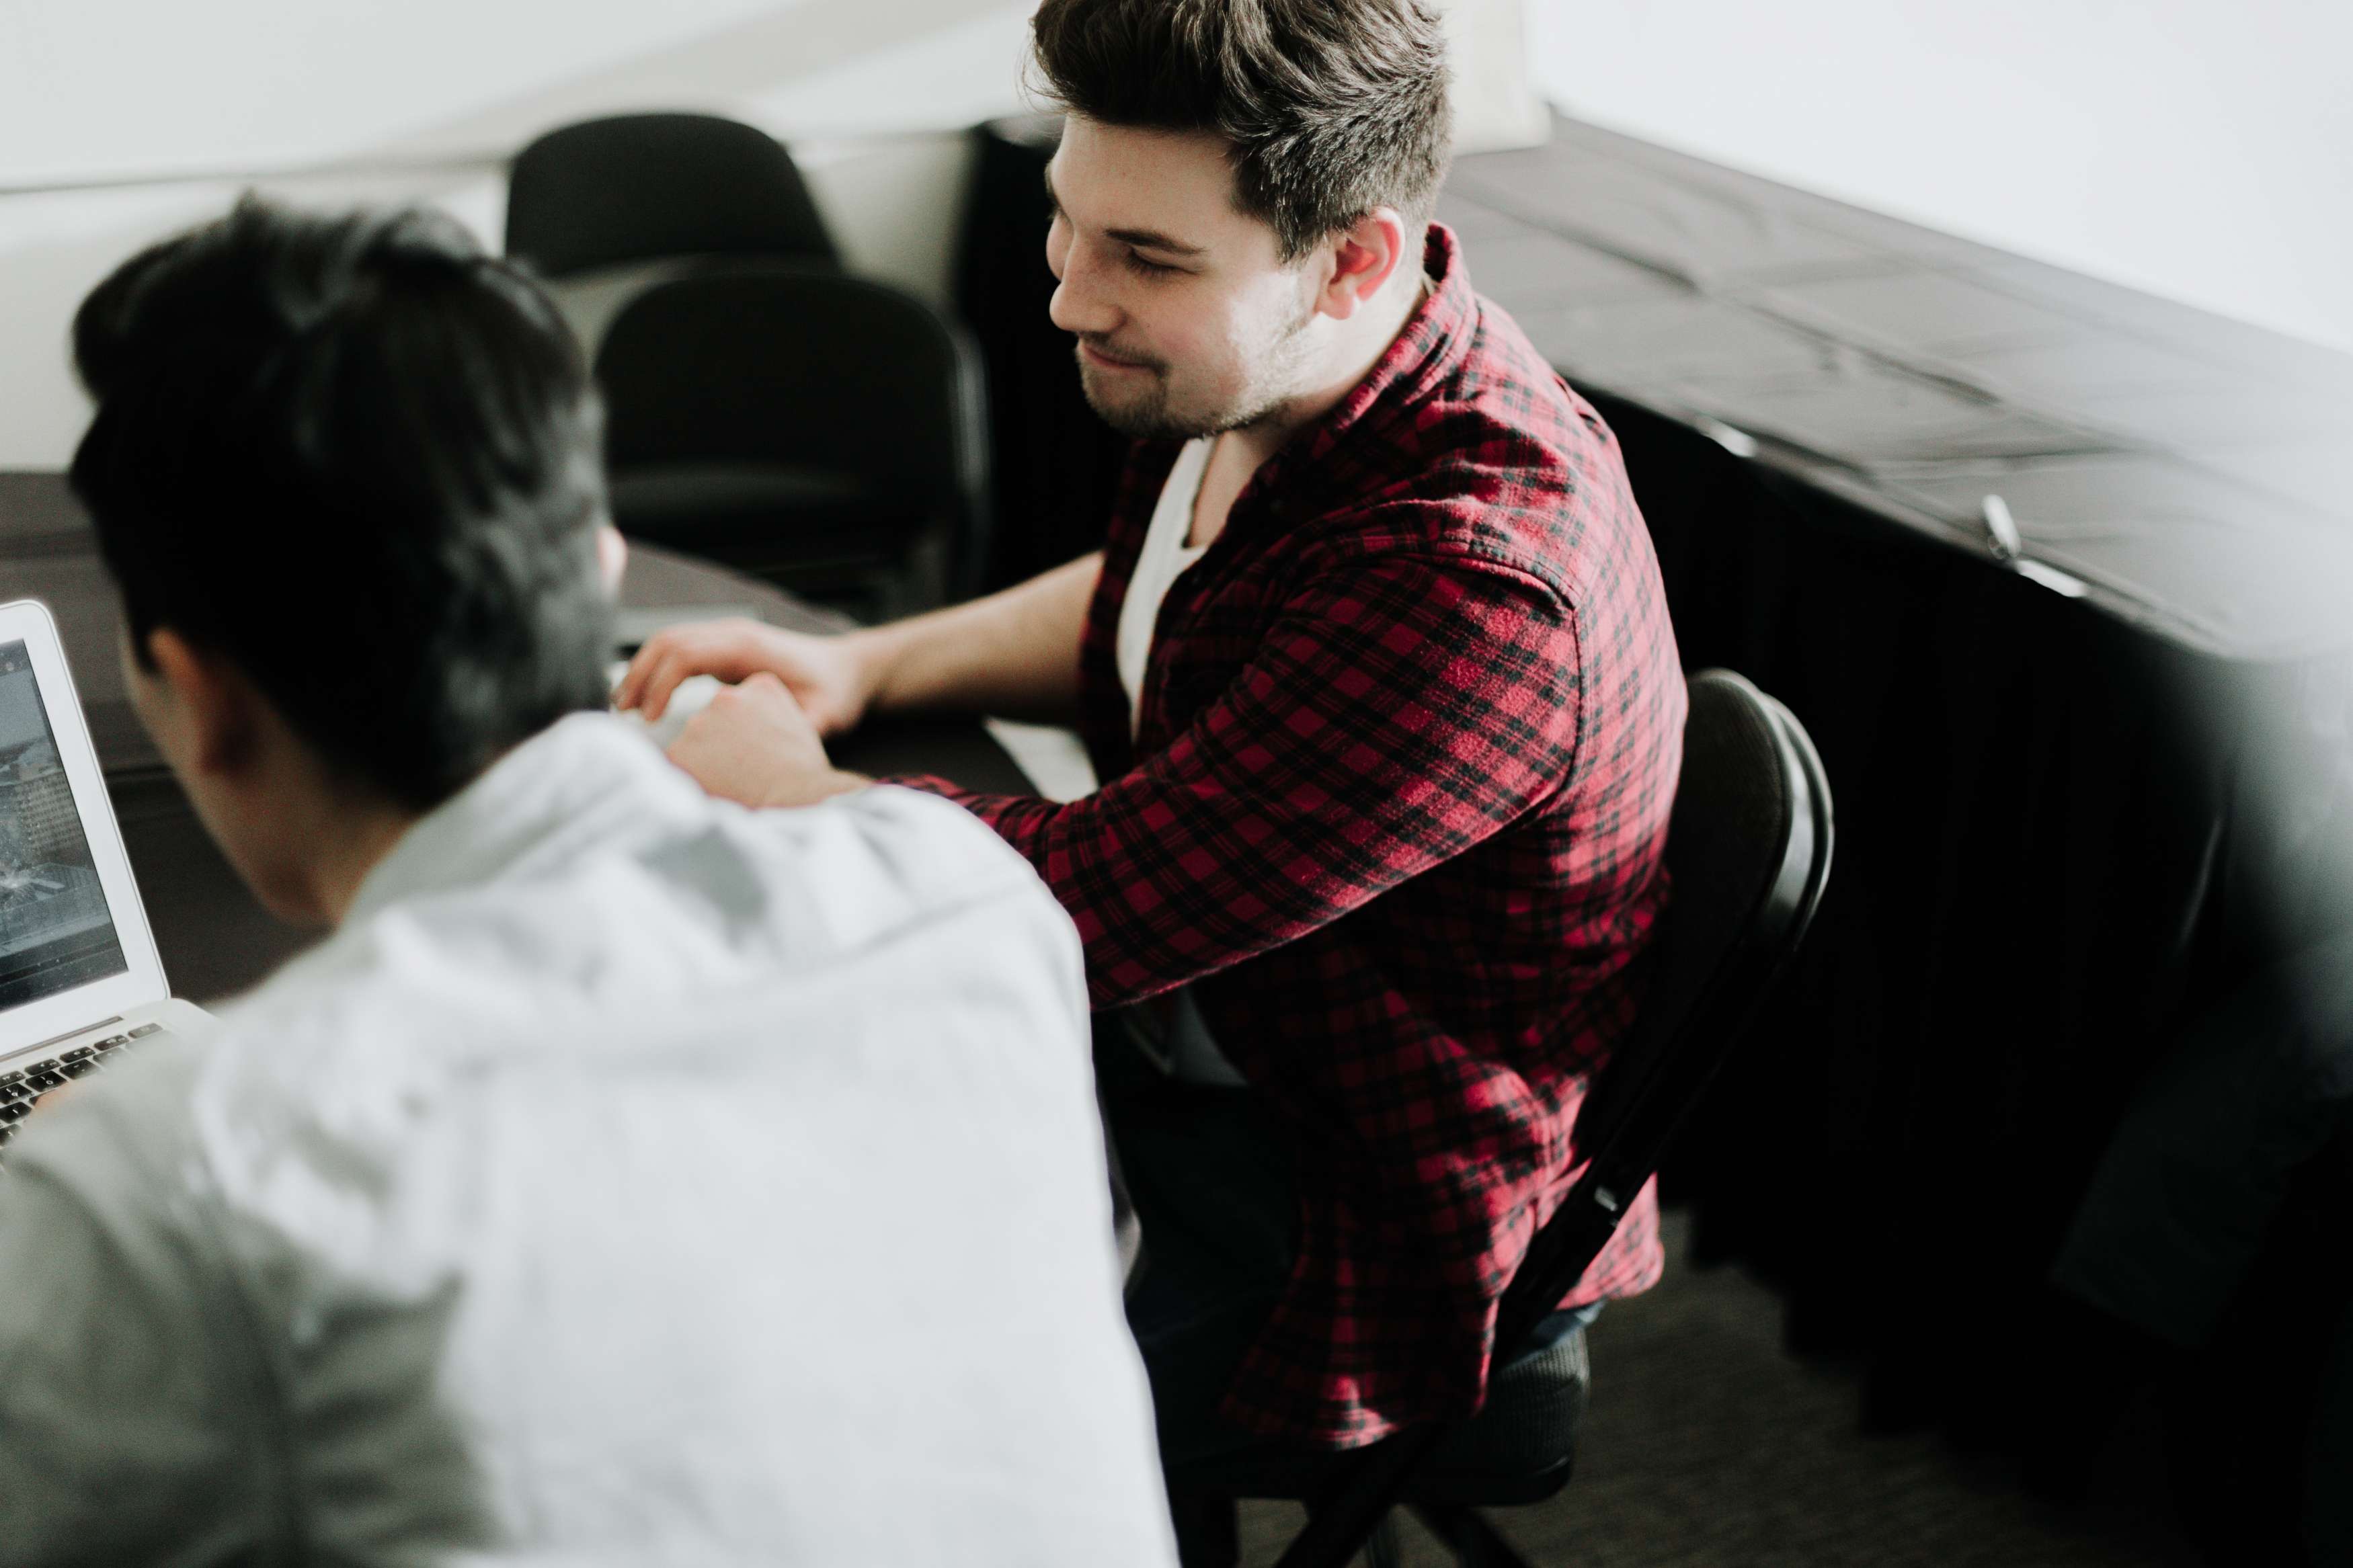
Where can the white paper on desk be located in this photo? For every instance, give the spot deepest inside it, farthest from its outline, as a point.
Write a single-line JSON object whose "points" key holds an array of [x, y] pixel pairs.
{"points": [[692, 696], [1053, 759]]}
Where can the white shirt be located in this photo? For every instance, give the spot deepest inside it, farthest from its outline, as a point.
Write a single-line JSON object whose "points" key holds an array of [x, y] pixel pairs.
{"points": [[632, 1179], [1173, 1022], [1165, 557]]}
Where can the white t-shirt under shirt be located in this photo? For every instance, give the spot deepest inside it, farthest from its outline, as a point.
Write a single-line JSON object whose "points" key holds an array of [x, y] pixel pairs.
{"points": [[1176, 1019], [1167, 555]]}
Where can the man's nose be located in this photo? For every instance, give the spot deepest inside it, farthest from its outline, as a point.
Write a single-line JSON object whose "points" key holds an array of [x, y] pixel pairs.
{"points": [[1079, 304]]}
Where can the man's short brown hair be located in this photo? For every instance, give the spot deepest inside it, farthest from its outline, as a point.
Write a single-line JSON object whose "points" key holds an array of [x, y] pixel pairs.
{"points": [[1331, 107]]}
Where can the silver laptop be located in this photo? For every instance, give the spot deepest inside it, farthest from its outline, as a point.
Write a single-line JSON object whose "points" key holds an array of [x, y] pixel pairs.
{"points": [[79, 979]]}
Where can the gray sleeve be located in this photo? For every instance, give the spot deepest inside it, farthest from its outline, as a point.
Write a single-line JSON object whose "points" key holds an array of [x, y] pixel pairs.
{"points": [[131, 1411]]}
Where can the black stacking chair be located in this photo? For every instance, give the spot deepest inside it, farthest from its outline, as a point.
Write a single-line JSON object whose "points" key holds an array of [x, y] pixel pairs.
{"points": [[821, 431], [644, 187], [1750, 852]]}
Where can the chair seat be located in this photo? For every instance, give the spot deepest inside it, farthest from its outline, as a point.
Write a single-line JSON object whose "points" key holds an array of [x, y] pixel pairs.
{"points": [[1519, 1448]]}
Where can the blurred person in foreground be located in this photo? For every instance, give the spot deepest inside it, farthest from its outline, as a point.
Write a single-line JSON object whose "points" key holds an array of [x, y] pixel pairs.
{"points": [[1375, 668], [629, 1178]]}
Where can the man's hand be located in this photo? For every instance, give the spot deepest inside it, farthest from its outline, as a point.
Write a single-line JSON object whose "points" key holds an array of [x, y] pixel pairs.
{"points": [[828, 680], [755, 745]]}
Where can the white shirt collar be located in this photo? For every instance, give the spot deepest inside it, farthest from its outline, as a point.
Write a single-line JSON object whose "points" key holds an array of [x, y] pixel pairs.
{"points": [[572, 779]]}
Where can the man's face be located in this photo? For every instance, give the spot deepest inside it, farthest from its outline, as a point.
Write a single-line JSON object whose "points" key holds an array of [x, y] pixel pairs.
{"points": [[1189, 321]]}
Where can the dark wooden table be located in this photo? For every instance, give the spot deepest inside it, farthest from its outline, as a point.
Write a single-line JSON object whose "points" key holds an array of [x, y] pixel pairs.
{"points": [[215, 939]]}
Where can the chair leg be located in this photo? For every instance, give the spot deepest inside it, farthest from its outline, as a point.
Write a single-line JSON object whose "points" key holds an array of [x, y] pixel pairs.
{"points": [[1209, 1531], [1382, 1548], [1466, 1534]]}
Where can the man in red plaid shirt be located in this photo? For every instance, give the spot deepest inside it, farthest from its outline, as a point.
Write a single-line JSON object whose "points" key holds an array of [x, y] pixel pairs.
{"points": [[1376, 667]]}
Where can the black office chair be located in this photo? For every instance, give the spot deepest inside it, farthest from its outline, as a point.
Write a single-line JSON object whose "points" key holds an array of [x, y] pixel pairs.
{"points": [[1750, 852], [824, 432], [645, 187]]}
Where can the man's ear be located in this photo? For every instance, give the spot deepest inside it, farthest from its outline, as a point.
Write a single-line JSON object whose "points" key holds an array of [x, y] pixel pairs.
{"points": [[612, 556], [1364, 256], [216, 709]]}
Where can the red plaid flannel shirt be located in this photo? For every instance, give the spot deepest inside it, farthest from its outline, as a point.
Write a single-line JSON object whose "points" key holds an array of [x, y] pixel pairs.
{"points": [[1396, 801]]}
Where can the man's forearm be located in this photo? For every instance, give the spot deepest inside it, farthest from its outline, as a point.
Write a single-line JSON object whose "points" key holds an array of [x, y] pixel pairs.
{"points": [[1015, 653]]}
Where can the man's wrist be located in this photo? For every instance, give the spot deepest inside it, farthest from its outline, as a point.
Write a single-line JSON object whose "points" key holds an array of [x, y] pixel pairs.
{"points": [[874, 652]]}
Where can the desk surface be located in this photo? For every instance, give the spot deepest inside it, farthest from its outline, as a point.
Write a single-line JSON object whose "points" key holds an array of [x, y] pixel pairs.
{"points": [[2188, 468], [215, 939]]}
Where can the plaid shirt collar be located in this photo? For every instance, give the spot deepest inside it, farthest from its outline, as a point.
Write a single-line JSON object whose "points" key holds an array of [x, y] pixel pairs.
{"points": [[1431, 346]]}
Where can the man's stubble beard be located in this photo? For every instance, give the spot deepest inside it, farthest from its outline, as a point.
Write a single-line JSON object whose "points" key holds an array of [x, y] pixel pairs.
{"points": [[1273, 382], [1142, 418]]}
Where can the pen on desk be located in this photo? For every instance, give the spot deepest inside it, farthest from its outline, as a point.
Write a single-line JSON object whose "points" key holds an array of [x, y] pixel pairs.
{"points": [[2002, 530], [2009, 547]]}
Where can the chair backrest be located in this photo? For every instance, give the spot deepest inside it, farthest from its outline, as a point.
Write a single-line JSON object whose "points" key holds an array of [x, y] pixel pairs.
{"points": [[1748, 852], [1748, 856], [814, 371], [639, 186]]}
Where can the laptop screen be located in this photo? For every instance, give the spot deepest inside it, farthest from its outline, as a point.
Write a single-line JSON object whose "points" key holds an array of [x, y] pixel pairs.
{"points": [[55, 929]]}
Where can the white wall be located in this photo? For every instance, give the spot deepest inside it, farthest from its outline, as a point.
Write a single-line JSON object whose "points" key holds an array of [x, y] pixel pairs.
{"points": [[104, 147], [2198, 149], [99, 89], [2069, 128], [123, 119]]}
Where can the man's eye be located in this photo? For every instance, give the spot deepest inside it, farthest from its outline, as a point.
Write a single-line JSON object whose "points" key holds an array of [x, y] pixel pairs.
{"points": [[1139, 263]]}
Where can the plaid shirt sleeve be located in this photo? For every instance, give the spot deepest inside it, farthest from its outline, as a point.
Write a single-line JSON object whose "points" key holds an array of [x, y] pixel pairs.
{"points": [[1401, 708]]}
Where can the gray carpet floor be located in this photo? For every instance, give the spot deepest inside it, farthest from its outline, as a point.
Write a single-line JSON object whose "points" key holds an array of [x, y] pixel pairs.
{"points": [[1708, 1447]]}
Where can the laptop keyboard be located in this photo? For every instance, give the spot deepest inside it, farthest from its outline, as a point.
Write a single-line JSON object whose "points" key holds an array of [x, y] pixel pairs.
{"points": [[20, 1087]]}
